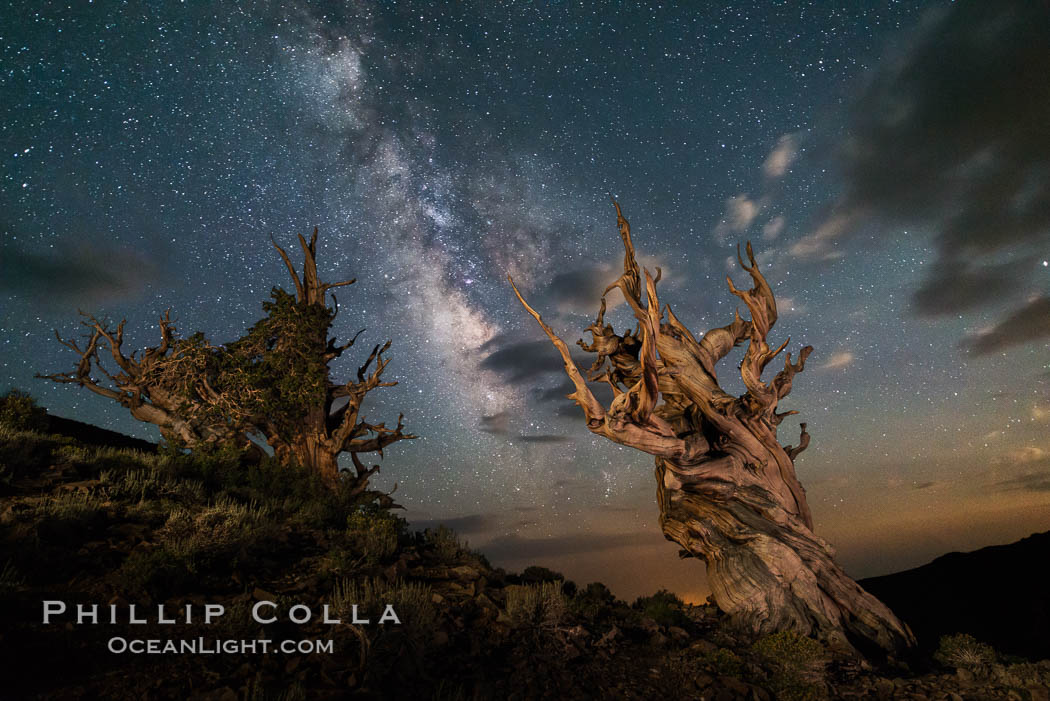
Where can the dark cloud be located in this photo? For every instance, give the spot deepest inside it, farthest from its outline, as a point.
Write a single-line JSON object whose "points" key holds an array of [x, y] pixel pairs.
{"points": [[924, 485], [524, 362], [580, 291], [954, 286], [83, 276], [950, 135], [517, 548], [1029, 482], [1029, 323], [519, 362], [474, 523]]}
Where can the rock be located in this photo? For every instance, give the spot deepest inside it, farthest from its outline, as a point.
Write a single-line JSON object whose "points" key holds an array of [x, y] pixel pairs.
{"points": [[260, 594], [610, 637], [884, 688], [678, 633], [466, 572], [649, 625], [436, 598], [703, 647], [1038, 693], [964, 675], [658, 640]]}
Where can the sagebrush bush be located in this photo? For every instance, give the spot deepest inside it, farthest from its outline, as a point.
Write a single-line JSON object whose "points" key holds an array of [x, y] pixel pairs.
{"points": [[157, 571], [592, 601], [203, 538], [794, 661], [664, 607], [444, 541], [540, 605], [374, 532], [411, 602], [966, 652], [150, 483], [68, 506]]}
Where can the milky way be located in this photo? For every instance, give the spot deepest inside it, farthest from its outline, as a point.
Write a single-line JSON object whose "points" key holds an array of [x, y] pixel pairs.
{"points": [[891, 167]]}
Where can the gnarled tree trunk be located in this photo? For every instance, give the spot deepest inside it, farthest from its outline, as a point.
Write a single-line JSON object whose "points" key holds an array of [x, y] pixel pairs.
{"points": [[726, 487]]}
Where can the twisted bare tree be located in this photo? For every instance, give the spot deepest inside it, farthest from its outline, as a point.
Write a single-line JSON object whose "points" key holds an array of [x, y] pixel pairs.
{"points": [[726, 487], [273, 382]]}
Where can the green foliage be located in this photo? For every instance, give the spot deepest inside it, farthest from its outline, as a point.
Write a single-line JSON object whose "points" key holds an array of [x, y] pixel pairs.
{"points": [[19, 411], [963, 651], [27, 452], [793, 660], [278, 367], [592, 601], [444, 541], [411, 602], [79, 508], [158, 571], [534, 574], [664, 607], [374, 532], [153, 483], [725, 662], [213, 534], [536, 605]]}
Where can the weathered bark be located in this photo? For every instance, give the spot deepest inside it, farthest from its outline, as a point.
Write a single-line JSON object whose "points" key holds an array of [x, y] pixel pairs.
{"points": [[726, 488], [152, 384], [199, 394]]}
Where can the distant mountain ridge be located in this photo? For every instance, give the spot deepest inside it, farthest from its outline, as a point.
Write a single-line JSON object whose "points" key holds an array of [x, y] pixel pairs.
{"points": [[94, 435], [999, 594]]}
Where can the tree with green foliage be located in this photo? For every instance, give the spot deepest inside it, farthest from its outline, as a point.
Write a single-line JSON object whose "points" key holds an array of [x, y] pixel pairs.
{"points": [[274, 382], [18, 410]]}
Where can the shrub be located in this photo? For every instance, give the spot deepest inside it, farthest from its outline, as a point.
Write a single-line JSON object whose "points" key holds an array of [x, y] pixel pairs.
{"points": [[25, 452], [664, 607], [724, 662], [965, 652], [538, 605], [444, 541], [374, 532], [411, 602], [793, 660], [592, 600], [204, 538], [142, 484], [76, 507], [534, 574], [157, 571], [18, 410]]}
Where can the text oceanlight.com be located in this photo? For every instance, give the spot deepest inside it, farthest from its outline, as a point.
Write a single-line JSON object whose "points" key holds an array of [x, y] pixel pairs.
{"points": [[203, 646]]}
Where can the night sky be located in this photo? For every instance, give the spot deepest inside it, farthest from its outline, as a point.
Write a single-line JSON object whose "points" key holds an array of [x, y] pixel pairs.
{"points": [[891, 166]]}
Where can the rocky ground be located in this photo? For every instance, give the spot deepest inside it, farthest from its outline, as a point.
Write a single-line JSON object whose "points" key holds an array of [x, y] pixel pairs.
{"points": [[96, 525]]}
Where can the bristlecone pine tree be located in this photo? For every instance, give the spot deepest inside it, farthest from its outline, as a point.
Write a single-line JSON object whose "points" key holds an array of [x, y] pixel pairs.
{"points": [[273, 382], [726, 488]]}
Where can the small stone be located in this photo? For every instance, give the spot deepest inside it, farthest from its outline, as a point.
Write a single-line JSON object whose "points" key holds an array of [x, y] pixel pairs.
{"points": [[260, 594], [1038, 693], [678, 633], [964, 675], [884, 688], [649, 625]]}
